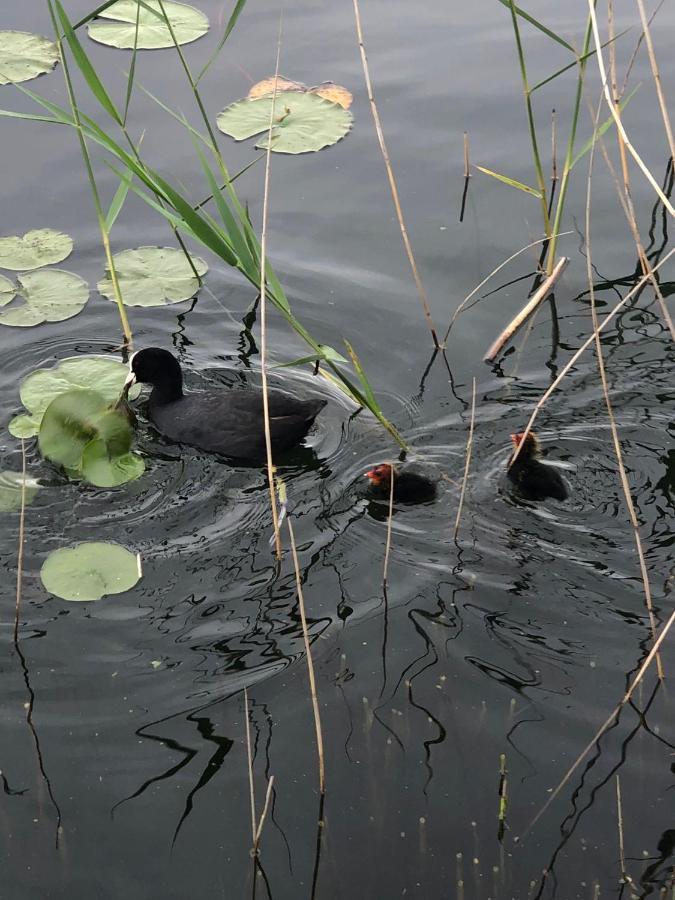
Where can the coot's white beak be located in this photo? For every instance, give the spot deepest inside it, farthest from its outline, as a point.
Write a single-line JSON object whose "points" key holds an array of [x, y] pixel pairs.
{"points": [[130, 380]]}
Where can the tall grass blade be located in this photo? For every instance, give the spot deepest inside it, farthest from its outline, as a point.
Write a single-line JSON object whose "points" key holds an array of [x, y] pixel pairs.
{"points": [[232, 21], [547, 31], [511, 181]]}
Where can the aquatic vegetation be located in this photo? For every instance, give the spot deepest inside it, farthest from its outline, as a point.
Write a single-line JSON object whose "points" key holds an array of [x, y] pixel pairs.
{"points": [[128, 25], [104, 375], [336, 93], [90, 570], [12, 489], [37, 248], [90, 439], [24, 56], [154, 276], [49, 295]]}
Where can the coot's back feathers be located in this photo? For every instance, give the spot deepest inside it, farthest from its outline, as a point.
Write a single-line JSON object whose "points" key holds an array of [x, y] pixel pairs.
{"points": [[229, 422]]}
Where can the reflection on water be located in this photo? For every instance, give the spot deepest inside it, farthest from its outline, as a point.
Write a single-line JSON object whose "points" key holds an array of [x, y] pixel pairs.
{"points": [[516, 639]]}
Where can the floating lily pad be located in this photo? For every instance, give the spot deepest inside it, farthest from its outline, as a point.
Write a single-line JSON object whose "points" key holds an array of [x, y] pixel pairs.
{"points": [[50, 295], [10, 490], [76, 418], [336, 93], [154, 276], [104, 375], [304, 122], [24, 56], [90, 570], [7, 290], [116, 25], [82, 433], [42, 247]]}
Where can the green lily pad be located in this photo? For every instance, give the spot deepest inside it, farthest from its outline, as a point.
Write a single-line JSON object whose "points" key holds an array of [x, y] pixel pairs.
{"points": [[116, 25], [41, 247], [75, 419], [90, 570], [304, 122], [24, 56], [10, 490], [7, 290], [50, 295], [154, 276], [104, 375], [103, 470]]}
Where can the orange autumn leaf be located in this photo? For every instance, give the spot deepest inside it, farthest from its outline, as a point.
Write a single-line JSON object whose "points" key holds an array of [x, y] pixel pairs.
{"points": [[334, 92], [266, 86]]}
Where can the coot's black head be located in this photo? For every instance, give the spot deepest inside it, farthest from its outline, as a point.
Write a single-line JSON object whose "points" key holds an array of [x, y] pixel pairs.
{"points": [[160, 369]]}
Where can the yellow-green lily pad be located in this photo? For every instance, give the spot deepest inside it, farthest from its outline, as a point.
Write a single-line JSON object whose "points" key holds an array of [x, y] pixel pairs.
{"points": [[303, 122], [41, 247], [116, 25], [24, 56], [154, 276], [49, 295], [90, 570]]}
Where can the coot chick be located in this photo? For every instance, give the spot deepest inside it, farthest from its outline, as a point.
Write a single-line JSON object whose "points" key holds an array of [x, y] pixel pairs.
{"points": [[229, 422], [412, 483], [533, 479]]}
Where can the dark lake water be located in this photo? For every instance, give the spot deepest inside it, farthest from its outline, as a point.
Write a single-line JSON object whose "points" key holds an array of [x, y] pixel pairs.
{"points": [[518, 639]]}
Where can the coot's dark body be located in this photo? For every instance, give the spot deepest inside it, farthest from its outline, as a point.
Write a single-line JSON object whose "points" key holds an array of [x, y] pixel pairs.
{"points": [[534, 480], [413, 483], [229, 422]]}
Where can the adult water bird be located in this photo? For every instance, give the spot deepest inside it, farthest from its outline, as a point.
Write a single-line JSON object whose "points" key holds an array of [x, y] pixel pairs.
{"points": [[534, 480], [227, 421]]}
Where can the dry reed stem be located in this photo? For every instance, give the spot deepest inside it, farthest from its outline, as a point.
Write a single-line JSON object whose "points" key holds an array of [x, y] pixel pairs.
{"points": [[501, 265], [539, 295], [603, 728], [657, 78], [582, 349], [390, 516], [619, 821], [554, 154], [249, 755], [392, 181], [467, 167], [263, 316], [626, 199], [263, 815], [610, 412], [19, 559], [467, 460], [310, 663], [615, 114]]}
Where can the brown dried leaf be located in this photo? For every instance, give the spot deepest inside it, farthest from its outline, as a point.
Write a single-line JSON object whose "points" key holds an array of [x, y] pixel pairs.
{"points": [[266, 86], [334, 92]]}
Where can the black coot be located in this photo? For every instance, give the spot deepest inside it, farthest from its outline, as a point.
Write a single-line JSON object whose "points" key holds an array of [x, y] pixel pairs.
{"points": [[533, 479], [413, 483], [228, 421]]}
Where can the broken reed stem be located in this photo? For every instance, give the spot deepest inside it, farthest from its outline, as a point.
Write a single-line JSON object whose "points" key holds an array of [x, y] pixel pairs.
{"points": [[310, 663], [467, 168], [539, 295], [263, 815], [554, 153], [615, 114], [249, 755], [392, 181], [19, 558], [501, 265], [608, 403], [657, 78], [263, 316], [467, 460], [390, 516], [582, 349], [606, 724], [619, 820]]}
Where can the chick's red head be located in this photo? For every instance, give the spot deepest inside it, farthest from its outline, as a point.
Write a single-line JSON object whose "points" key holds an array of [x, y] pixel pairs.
{"points": [[531, 444], [380, 475]]}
